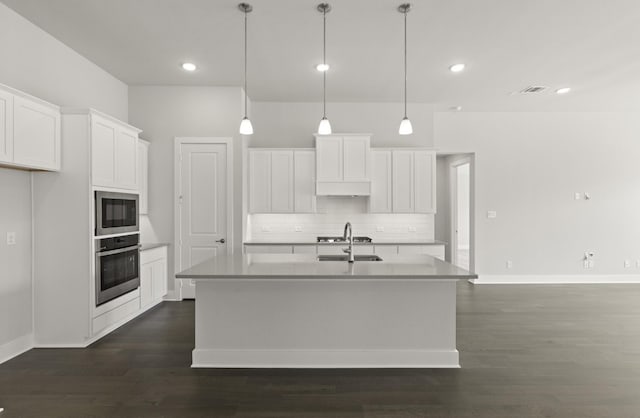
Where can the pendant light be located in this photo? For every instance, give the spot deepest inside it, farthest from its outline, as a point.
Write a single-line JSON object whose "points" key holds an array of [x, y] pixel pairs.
{"points": [[245, 126], [405, 125], [325, 127]]}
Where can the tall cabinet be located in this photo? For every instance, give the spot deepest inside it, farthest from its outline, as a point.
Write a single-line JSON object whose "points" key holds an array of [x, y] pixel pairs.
{"points": [[100, 152]]}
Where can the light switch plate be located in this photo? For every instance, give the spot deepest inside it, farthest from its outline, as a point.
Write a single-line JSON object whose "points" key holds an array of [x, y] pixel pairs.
{"points": [[379, 228], [11, 238], [298, 228], [492, 214]]}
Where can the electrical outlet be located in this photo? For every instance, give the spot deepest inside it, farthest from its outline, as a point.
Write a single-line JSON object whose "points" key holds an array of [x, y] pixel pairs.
{"points": [[379, 228], [592, 264], [509, 264], [298, 228], [585, 264], [627, 263], [577, 196], [492, 214], [11, 238]]}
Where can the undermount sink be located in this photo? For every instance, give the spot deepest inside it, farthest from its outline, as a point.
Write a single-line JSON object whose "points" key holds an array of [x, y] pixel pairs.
{"points": [[340, 257]]}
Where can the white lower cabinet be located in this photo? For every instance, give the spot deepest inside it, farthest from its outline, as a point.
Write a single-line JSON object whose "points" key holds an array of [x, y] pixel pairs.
{"points": [[305, 249], [153, 276]]}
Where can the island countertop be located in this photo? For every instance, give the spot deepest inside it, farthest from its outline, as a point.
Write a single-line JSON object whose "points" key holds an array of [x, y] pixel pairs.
{"points": [[307, 267]]}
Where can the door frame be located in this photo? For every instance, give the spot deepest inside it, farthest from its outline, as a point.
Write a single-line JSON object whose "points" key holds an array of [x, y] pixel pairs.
{"points": [[177, 215], [453, 207]]}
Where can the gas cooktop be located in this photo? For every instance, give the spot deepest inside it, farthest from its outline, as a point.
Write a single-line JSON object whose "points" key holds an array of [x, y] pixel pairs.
{"points": [[342, 239]]}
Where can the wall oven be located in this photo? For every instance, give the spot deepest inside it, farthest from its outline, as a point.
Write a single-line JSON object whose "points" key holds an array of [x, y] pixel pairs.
{"points": [[116, 213], [117, 267]]}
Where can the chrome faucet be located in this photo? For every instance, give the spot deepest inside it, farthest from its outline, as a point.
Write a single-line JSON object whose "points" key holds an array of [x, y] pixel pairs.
{"points": [[348, 235]]}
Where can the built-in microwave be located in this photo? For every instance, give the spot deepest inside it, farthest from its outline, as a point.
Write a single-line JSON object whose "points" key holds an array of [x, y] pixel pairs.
{"points": [[116, 213]]}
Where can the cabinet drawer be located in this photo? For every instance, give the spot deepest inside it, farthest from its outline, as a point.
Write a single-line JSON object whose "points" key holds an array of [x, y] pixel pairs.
{"points": [[112, 317]]}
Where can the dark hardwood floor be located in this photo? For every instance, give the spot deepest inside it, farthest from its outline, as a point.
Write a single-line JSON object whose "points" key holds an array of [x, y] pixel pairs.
{"points": [[526, 351]]}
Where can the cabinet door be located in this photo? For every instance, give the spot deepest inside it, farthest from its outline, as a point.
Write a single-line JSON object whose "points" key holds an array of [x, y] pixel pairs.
{"points": [[6, 127], [424, 164], [357, 158], [259, 181], [380, 200], [126, 159], [159, 278], [304, 181], [36, 134], [305, 249], [329, 158], [281, 181], [143, 176], [146, 285], [103, 151], [403, 200]]}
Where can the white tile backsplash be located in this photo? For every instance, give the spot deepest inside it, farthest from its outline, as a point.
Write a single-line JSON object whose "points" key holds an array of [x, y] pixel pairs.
{"points": [[282, 227]]}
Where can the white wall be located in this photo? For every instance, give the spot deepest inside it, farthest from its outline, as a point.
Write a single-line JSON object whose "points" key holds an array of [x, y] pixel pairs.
{"points": [[293, 124], [166, 112], [528, 167], [38, 64]]}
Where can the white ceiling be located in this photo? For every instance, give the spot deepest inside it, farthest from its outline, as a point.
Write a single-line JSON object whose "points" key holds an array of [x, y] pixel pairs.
{"points": [[589, 45]]}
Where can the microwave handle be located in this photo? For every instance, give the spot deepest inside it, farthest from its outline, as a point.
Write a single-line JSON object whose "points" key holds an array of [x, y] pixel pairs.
{"points": [[119, 250]]}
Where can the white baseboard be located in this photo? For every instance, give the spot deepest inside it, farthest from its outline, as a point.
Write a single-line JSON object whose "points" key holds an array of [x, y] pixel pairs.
{"points": [[330, 359], [15, 347], [557, 279], [172, 295]]}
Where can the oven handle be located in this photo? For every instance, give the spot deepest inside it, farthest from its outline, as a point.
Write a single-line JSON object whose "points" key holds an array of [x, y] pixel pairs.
{"points": [[119, 250]]}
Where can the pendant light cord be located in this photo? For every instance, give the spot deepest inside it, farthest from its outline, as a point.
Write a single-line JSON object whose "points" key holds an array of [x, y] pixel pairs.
{"points": [[324, 61], [405, 63], [246, 94]]}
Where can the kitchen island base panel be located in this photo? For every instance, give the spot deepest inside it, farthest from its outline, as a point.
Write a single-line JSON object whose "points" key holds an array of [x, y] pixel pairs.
{"points": [[310, 323]]}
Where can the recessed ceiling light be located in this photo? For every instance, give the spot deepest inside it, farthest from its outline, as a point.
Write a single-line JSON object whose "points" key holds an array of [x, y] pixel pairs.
{"points": [[188, 66], [563, 90], [456, 68], [322, 67]]}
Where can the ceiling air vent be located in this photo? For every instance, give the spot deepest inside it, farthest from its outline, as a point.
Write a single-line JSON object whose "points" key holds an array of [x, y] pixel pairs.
{"points": [[533, 89]]}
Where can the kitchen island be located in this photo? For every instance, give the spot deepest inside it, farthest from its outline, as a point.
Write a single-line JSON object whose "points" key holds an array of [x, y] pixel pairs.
{"points": [[277, 310]]}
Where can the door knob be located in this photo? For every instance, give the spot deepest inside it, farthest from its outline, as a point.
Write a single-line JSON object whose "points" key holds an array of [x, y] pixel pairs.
{"points": [[221, 241]]}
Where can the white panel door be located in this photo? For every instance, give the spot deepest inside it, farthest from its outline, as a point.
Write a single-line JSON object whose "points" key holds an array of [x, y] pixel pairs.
{"points": [[6, 127], [103, 152], [357, 158], [126, 159], [304, 181], [203, 213], [281, 181], [36, 134], [424, 164], [329, 158], [380, 200], [403, 201], [259, 181]]}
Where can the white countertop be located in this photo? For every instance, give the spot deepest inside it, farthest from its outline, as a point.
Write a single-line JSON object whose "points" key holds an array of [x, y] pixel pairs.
{"points": [[151, 245], [375, 242], [307, 267]]}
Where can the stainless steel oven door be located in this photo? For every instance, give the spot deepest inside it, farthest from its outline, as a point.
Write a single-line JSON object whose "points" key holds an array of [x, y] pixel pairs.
{"points": [[116, 213], [117, 273]]}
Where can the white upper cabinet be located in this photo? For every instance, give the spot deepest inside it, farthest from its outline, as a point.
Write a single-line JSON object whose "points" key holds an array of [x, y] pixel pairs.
{"points": [[380, 200], [143, 175], [343, 165], [281, 181], [413, 179], [29, 131], [6, 127], [304, 181], [114, 153]]}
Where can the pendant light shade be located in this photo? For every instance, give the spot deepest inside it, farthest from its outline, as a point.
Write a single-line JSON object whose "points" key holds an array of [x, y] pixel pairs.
{"points": [[325, 127], [245, 125], [405, 125]]}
